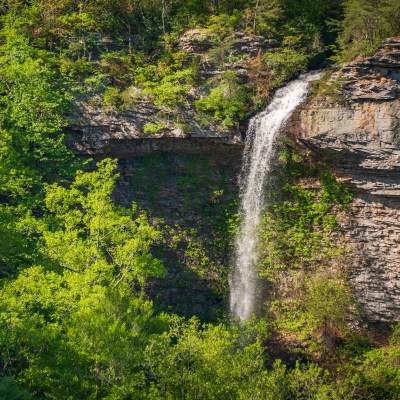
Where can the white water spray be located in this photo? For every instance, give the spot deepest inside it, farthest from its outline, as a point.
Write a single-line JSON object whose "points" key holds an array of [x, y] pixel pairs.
{"points": [[257, 163]]}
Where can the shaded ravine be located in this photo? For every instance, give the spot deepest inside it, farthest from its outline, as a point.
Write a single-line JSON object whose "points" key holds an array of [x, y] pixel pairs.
{"points": [[257, 164]]}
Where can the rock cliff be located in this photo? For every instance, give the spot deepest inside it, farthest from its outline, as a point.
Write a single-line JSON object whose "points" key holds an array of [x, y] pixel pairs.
{"points": [[356, 131], [95, 130]]}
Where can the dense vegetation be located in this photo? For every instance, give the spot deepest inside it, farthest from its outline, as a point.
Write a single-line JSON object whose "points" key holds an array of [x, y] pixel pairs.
{"points": [[75, 319]]}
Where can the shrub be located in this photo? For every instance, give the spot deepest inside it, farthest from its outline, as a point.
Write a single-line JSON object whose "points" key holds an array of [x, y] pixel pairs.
{"points": [[227, 102], [172, 91], [154, 127], [112, 99], [284, 65]]}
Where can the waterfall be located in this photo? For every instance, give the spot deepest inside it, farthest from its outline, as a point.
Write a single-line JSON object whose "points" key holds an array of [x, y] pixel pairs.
{"points": [[257, 164]]}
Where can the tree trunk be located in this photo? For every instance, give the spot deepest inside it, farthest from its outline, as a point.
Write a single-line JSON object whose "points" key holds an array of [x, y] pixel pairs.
{"points": [[255, 16], [163, 12]]}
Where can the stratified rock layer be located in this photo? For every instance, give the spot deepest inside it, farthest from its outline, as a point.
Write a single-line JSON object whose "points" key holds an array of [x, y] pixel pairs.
{"points": [[361, 142], [359, 138], [94, 132], [192, 193]]}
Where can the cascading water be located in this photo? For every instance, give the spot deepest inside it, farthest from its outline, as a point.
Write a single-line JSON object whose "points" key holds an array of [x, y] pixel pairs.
{"points": [[257, 163]]}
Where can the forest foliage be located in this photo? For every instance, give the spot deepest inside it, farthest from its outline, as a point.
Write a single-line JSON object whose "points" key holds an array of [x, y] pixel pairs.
{"points": [[75, 319]]}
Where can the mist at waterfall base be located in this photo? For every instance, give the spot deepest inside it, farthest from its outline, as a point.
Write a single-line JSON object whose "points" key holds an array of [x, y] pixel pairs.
{"points": [[257, 167]]}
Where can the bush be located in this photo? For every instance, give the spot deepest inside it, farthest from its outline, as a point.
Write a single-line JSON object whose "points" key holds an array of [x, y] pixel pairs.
{"points": [[311, 382], [227, 102], [172, 92], [223, 24], [284, 65], [78, 70], [155, 127], [328, 305], [112, 99], [209, 362]]}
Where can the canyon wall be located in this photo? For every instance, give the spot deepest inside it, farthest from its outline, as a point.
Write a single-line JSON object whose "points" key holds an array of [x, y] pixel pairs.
{"points": [[356, 131]]}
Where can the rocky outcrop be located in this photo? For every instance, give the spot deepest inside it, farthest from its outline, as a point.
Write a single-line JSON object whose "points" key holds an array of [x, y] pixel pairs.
{"points": [[231, 53], [360, 139], [199, 41], [375, 78], [95, 130], [192, 194]]}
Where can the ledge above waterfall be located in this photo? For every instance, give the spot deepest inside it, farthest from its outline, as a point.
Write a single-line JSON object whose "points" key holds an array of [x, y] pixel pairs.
{"points": [[92, 131]]}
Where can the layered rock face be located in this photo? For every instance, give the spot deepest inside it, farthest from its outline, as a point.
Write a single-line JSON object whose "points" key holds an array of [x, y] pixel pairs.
{"points": [[235, 52], [94, 132], [192, 193], [360, 139], [356, 130]]}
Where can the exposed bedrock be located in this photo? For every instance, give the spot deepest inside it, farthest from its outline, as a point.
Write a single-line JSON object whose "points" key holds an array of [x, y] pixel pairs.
{"points": [[94, 132], [361, 142], [356, 131], [94, 129]]}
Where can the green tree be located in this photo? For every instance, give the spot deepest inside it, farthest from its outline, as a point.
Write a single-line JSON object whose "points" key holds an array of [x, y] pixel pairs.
{"points": [[380, 369], [311, 382], [171, 93], [33, 101], [328, 305], [263, 15], [226, 102], [284, 65], [32, 149], [212, 362], [366, 23], [86, 229], [77, 326], [11, 391]]}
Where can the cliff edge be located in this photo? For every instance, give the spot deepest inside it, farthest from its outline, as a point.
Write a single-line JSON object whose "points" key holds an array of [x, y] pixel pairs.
{"points": [[356, 130]]}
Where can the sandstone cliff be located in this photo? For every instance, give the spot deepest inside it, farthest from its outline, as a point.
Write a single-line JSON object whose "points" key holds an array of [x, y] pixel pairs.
{"points": [[355, 130], [360, 139]]}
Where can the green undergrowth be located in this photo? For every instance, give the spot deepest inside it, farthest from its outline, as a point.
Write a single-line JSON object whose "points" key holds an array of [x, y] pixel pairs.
{"points": [[326, 87], [298, 227], [311, 307], [303, 256]]}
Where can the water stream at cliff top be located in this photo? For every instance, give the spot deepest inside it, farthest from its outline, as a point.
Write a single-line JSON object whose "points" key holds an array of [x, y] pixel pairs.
{"points": [[257, 165]]}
